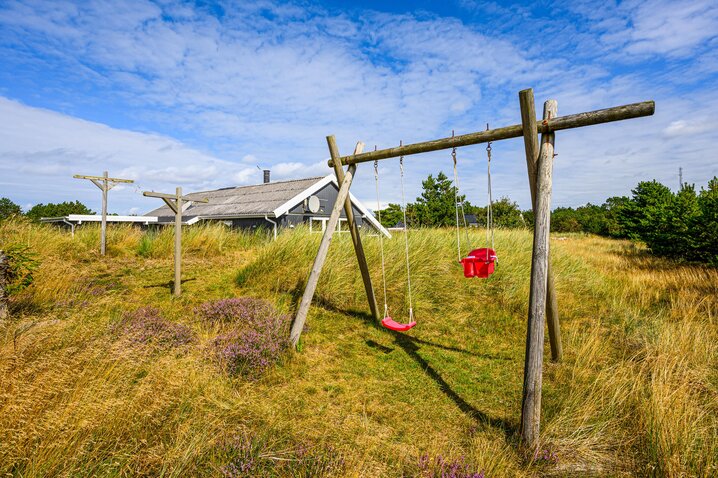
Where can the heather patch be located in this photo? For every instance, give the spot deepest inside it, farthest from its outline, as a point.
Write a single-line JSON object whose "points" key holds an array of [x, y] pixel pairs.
{"points": [[441, 467], [256, 338], [248, 455], [238, 309], [147, 327]]}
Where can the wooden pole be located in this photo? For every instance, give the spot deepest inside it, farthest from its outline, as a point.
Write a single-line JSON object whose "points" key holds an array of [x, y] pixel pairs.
{"points": [[531, 145], [105, 183], [313, 280], [103, 228], [533, 364], [178, 243], [174, 202], [353, 228], [618, 113]]}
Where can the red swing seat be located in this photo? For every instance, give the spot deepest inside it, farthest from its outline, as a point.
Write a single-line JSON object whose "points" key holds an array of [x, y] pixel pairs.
{"points": [[479, 263], [392, 324]]}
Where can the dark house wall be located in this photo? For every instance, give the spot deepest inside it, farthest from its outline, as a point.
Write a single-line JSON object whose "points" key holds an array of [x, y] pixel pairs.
{"points": [[297, 215], [327, 196]]}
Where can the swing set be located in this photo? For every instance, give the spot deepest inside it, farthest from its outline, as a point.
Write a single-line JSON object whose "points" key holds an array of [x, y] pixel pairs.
{"points": [[479, 262]]}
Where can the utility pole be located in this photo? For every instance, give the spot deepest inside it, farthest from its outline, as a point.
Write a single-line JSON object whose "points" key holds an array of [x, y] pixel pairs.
{"points": [[680, 178], [174, 202], [105, 183]]}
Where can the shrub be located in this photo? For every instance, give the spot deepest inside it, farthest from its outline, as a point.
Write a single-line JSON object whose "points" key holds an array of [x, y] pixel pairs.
{"points": [[146, 326], [440, 467], [57, 210], [257, 338], [17, 272], [8, 209], [245, 309], [249, 455]]}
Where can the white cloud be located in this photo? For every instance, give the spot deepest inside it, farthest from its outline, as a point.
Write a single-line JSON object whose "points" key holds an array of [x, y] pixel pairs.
{"points": [[41, 150], [686, 128], [265, 83]]}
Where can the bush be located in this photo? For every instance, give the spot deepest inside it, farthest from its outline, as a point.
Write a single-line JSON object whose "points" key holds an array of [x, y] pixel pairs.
{"points": [[18, 269], [8, 209], [682, 225], [257, 338], [57, 210], [147, 327], [440, 467], [242, 309], [249, 455]]}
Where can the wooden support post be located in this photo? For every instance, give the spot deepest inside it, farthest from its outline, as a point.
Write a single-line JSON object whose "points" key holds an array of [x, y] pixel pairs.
{"points": [[533, 364], [103, 228], [313, 280], [105, 183], [174, 202], [531, 144], [178, 243], [353, 228]]}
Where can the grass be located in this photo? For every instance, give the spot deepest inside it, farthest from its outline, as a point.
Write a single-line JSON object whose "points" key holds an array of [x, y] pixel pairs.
{"points": [[637, 393]]}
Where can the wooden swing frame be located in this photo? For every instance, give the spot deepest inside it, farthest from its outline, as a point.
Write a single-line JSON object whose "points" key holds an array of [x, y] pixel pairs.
{"points": [[543, 305]]}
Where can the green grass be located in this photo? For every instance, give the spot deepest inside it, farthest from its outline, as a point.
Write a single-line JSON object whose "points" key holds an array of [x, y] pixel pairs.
{"points": [[637, 393]]}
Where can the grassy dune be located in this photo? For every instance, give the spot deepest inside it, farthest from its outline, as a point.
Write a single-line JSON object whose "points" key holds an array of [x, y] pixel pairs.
{"points": [[637, 393]]}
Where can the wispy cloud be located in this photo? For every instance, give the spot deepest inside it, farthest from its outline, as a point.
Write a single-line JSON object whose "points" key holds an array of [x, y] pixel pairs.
{"points": [[180, 94]]}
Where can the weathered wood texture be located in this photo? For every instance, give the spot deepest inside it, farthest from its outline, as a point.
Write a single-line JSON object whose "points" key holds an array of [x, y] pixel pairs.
{"points": [[4, 280], [105, 183], [533, 363], [531, 145], [178, 243], [174, 202], [321, 257], [607, 115], [353, 228], [103, 230]]}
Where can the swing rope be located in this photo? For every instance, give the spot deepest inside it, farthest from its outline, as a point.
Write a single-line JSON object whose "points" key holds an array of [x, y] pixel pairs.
{"points": [[381, 236], [406, 240], [457, 189], [489, 207]]}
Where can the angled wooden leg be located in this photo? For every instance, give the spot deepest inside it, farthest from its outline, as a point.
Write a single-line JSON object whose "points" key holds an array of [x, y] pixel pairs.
{"points": [[313, 280], [353, 228]]}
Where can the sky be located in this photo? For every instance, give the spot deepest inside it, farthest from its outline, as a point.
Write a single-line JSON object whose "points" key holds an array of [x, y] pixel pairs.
{"points": [[198, 94]]}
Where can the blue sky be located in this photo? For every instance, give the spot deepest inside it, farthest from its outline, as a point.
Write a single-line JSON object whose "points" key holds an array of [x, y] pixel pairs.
{"points": [[198, 94]]}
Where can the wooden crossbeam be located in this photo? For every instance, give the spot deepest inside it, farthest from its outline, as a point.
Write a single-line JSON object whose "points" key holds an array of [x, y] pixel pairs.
{"points": [[102, 178], [617, 113]]}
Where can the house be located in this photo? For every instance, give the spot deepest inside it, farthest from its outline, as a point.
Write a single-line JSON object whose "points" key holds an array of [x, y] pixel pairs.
{"points": [[72, 220], [471, 220], [272, 204]]}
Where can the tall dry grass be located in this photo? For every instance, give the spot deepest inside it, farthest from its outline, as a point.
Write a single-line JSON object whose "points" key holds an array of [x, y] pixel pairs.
{"points": [[637, 393]]}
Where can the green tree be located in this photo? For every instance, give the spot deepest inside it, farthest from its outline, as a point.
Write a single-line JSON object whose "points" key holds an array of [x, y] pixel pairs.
{"points": [[706, 225], [57, 210], [8, 209], [615, 207], [391, 215], [506, 212], [436, 205]]}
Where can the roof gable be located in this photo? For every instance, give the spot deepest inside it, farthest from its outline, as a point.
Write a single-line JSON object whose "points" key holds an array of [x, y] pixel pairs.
{"points": [[259, 199]]}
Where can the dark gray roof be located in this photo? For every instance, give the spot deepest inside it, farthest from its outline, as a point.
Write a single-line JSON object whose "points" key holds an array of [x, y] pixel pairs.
{"points": [[240, 201]]}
